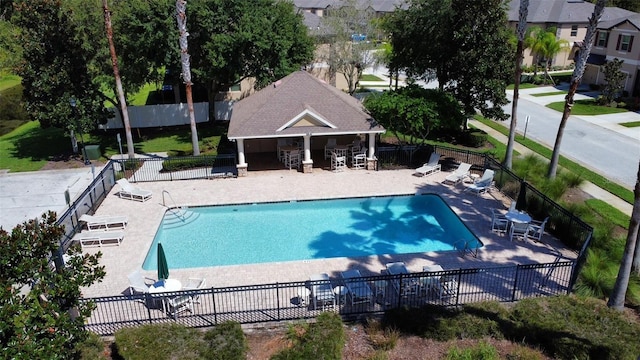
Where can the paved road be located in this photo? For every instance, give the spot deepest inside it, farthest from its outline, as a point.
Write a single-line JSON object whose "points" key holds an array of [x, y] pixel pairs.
{"points": [[597, 142]]}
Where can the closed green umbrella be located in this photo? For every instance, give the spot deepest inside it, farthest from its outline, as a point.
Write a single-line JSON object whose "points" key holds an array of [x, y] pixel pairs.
{"points": [[521, 202], [163, 268]]}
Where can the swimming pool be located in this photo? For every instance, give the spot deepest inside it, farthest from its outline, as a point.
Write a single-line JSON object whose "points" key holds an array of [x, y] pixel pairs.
{"points": [[305, 230]]}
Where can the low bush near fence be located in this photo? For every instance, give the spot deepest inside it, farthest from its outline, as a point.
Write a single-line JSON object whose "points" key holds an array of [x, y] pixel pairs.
{"points": [[226, 342], [323, 339], [172, 341], [564, 327], [185, 163]]}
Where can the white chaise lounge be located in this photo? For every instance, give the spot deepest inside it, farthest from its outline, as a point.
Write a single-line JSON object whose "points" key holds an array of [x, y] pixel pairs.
{"points": [[431, 167], [459, 174], [99, 238], [131, 192], [483, 184], [104, 222]]}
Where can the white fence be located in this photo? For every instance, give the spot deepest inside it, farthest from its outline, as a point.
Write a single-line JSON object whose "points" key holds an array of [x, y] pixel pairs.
{"points": [[169, 115]]}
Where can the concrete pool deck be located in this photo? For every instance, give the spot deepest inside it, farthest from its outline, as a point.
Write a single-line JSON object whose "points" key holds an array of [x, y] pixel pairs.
{"points": [[283, 185]]}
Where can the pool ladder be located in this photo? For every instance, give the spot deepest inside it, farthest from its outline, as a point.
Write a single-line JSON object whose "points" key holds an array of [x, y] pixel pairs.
{"points": [[178, 211]]}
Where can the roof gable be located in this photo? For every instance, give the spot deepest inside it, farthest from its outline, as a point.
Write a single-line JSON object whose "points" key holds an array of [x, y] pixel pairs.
{"points": [[307, 118], [296, 105]]}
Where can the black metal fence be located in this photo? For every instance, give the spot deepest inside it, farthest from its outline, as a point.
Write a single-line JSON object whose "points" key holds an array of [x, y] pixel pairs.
{"points": [[349, 297], [87, 202], [177, 168]]}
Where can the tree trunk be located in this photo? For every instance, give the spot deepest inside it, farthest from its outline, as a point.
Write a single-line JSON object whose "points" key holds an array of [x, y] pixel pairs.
{"points": [[116, 74], [181, 17], [616, 301], [522, 26], [576, 78], [636, 258]]}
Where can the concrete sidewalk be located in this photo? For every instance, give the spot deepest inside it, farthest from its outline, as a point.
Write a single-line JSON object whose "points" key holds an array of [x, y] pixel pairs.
{"points": [[587, 187]]}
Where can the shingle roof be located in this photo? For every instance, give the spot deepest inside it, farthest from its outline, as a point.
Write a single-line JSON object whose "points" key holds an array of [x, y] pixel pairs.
{"points": [[376, 5], [261, 114], [563, 11], [633, 20]]}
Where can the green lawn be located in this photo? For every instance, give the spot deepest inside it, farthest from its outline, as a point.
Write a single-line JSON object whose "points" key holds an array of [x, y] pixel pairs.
{"points": [[631, 124], [523, 86], [9, 81], [586, 107], [549, 93], [29, 147], [369, 77]]}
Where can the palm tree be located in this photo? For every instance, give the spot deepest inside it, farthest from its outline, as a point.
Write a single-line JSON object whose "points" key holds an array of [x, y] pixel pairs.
{"points": [[533, 41], [522, 24], [576, 78], [616, 301], [545, 45], [551, 46], [181, 17]]}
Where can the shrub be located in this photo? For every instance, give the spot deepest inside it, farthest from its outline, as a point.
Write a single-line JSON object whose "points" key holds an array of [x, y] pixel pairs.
{"points": [[571, 179], [569, 327], [91, 348], [380, 338], [226, 341], [525, 353], [598, 275], [184, 164], [442, 324], [324, 339], [482, 351], [158, 342], [475, 138]]}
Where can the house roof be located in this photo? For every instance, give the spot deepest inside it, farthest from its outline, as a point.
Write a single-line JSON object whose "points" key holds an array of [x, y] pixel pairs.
{"points": [[376, 5], [633, 20], [563, 11], [296, 105]]}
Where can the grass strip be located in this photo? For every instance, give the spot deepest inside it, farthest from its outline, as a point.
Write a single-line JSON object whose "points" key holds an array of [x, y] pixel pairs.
{"points": [[586, 107], [608, 212], [631, 124], [586, 174], [369, 77], [522, 86], [549, 93]]}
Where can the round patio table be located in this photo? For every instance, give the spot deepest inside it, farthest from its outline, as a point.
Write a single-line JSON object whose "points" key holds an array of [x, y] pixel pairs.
{"points": [[518, 217]]}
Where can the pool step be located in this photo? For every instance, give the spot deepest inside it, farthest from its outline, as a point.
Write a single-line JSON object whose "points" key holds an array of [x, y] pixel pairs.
{"points": [[178, 217]]}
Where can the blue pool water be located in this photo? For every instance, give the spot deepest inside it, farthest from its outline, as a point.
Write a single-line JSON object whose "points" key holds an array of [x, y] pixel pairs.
{"points": [[304, 230]]}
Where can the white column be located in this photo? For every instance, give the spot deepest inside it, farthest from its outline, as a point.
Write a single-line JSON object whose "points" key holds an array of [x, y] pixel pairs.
{"points": [[307, 147], [372, 146], [241, 160]]}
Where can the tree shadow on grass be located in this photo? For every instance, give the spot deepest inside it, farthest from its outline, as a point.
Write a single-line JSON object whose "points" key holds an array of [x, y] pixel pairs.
{"points": [[40, 144]]}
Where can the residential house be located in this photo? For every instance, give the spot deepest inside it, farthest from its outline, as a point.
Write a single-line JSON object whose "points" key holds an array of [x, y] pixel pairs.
{"points": [[620, 39], [569, 17]]}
